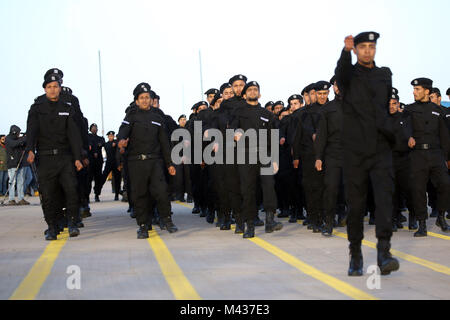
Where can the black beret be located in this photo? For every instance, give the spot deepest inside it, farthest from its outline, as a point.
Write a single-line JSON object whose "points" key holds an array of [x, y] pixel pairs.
{"points": [[278, 103], [54, 71], [448, 92], [268, 104], [395, 97], [332, 80], [394, 90], [322, 85], [52, 78], [92, 126], [402, 105], [110, 132], [155, 96], [436, 90], [66, 90], [212, 91], [182, 116], [305, 89], [311, 87], [237, 77], [423, 82], [366, 37], [295, 97], [199, 104], [217, 96], [224, 86], [141, 88], [250, 84]]}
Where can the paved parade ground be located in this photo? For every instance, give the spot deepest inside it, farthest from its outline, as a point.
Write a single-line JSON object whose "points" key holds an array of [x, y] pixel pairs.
{"points": [[201, 262]]}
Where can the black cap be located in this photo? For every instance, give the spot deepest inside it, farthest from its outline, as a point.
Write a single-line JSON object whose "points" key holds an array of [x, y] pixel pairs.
{"points": [[423, 82], [322, 85], [212, 91], [437, 91], [332, 80], [52, 78], [268, 104], [224, 86], [250, 84], [142, 87], [366, 37], [110, 132], [182, 116], [53, 72], [66, 90], [448, 92], [216, 97], [394, 90], [278, 103], [94, 124], [237, 77], [395, 97], [295, 97]]}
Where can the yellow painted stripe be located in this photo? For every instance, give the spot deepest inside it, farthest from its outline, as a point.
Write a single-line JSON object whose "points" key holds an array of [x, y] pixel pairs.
{"points": [[408, 257], [178, 283], [435, 235], [333, 282], [30, 286]]}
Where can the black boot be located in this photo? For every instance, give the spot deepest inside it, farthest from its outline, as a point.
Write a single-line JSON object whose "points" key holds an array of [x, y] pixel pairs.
{"points": [[226, 222], [258, 222], [203, 212], [300, 214], [327, 229], [284, 213], [271, 224], [240, 226], [73, 230], [124, 196], [412, 224], [371, 219], [189, 199], [394, 224], [441, 223], [434, 213], [196, 209], [386, 262], [356, 261], [422, 232], [97, 198], [116, 197], [167, 224], [293, 215], [132, 213], [210, 215], [342, 220], [250, 231], [51, 233], [142, 232]]}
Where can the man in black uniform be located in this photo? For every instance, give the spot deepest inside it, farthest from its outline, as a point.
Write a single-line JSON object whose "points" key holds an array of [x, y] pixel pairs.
{"points": [[111, 164], [183, 177], [53, 132], [269, 106], [96, 144], [251, 116], [329, 156], [210, 94], [430, 143], [366, 137], [143, 133]]}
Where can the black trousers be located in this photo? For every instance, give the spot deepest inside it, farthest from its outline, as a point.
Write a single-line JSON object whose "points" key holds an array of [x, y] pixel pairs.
{"points": [[147, 182], [358, 171], [58, 185], [233, 188], [402, 183], [183, 182], [249, 175], [269, 196], [218, 175], [425, 165], [111, 167], [95, 174], [199, 178], [313, 186], [333, 184], [83, 187]]}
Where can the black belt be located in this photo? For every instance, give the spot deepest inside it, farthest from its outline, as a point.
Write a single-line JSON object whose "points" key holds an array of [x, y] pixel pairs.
{"points": [[144, 157], [53, 152], [425, 146]]}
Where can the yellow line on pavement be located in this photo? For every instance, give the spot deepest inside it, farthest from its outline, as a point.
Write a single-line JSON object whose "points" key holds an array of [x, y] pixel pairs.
{"points": [[31, 285], [178, 283], [425, 263], [435, 235]]}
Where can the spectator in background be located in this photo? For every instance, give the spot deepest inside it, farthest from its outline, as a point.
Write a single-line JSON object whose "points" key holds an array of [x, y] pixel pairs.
{"points": [[3, 166], [15, 146]]}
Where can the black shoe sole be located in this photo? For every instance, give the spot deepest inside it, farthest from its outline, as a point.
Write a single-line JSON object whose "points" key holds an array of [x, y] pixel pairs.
{"points": [[420, 235], [390, 267], [74, 234], [357, 273]]}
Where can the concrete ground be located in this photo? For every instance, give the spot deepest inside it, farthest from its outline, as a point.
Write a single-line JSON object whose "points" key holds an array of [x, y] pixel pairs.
{"points": [[202, 262]]}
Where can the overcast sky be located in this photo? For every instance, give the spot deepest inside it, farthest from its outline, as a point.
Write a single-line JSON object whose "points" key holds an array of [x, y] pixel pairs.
{"points": [[284, 45]]}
